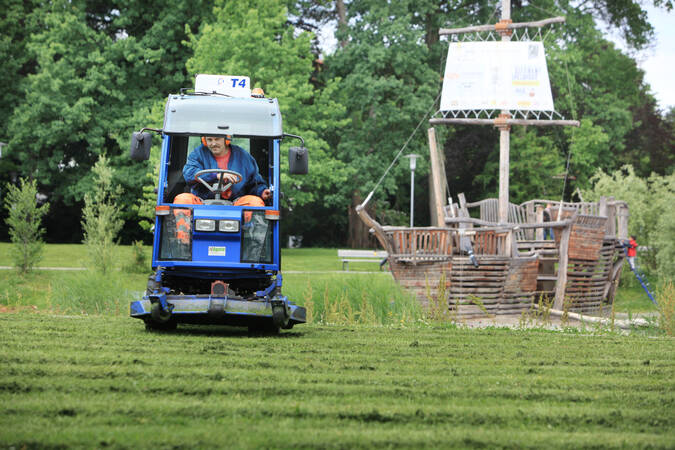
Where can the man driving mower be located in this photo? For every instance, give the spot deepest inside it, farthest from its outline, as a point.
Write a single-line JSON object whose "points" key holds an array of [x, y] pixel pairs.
{"points": [[218, 162]]}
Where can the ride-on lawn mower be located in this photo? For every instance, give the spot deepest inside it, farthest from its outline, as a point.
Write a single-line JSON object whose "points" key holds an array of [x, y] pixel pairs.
{"points": [[217, 263]]}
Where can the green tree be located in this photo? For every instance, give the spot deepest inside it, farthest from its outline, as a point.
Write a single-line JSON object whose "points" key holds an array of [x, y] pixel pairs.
{"points": [[532, 164], [144, 207], [598, 82], [17, 23], [24, 222], [101, 217], [663, 236], [79, 75]]}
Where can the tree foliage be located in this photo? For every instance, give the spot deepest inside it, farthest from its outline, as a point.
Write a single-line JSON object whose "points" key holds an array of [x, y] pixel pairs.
{"points": [[24, 222], [97, 69], [652, 218], [532, 163], [80, 75], [388, 85]]}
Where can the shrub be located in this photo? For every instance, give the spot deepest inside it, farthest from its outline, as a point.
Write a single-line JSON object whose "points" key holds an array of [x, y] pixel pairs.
{"points": [[24, 221], [139, 260], [663, 238], [652, 219], [101, 217]]}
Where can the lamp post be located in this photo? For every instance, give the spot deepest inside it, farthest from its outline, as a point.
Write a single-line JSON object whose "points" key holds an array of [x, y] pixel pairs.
{"points": [[413, 164]]}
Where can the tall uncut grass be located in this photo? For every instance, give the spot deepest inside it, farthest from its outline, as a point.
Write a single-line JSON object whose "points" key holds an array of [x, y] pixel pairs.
{"points": [[91, 292], [373, 299], [369, 299], [330, 298], [72, 292], [666, 300]]}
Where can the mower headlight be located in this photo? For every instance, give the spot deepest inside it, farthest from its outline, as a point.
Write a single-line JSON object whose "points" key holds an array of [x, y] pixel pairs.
{"points": [[205, 225], [228, 226]]}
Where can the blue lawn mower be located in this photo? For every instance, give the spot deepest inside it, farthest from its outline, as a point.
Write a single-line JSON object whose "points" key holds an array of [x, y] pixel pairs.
{"points": [[215, 262]]}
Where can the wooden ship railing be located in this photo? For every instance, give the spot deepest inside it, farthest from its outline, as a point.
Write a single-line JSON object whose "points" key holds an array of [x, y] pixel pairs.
{"points": [[501, 268]]}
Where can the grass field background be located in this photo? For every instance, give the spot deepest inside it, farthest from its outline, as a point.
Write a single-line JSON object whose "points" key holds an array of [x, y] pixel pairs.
{"points": [[102, 381]]}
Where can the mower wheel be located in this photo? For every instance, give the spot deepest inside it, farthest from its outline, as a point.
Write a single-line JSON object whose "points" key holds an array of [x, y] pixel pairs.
{"points": [[158, 313], [279, 317]]}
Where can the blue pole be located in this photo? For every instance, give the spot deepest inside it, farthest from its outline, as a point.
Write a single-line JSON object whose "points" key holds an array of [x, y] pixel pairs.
{"points": [[642, 283]]}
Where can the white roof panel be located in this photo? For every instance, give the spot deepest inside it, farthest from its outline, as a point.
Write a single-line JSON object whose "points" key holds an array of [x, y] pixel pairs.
{"points": [[213, 115]]}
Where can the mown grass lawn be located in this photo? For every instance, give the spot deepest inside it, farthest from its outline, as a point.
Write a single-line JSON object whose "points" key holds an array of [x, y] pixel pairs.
{"points": [[103, 381]]}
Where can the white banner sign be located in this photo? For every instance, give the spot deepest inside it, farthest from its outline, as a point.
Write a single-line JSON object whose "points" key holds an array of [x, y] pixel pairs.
{"points": [[496, 75]]}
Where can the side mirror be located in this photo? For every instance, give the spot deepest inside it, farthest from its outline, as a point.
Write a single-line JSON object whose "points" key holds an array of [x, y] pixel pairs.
{"points": [[140, 146], [298, 161]]}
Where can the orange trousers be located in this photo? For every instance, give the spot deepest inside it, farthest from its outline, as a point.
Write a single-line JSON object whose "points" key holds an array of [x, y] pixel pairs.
{"points": [[244, 200]]}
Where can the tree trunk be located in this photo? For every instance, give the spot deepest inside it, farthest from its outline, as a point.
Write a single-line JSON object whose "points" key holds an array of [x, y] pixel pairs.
{"points": [[342, 19], [431, 35]]}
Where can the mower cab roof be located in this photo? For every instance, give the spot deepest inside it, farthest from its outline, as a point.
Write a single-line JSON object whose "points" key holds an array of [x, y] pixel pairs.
{"points": [[219, 115]]}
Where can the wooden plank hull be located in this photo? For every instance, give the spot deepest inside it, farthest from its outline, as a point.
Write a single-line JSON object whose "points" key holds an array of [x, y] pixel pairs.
{"points": [[499, 285], [505, 285]]}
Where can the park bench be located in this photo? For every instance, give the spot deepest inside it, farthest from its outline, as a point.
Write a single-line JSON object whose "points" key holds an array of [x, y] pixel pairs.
{"points": [[378, 256]]}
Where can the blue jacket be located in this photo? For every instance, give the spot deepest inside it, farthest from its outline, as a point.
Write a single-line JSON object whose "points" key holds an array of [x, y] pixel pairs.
{"points": [[240, 161]]}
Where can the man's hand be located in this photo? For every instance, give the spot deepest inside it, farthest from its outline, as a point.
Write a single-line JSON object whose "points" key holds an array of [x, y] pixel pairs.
{"points": [[228, 178], [266, 194]]}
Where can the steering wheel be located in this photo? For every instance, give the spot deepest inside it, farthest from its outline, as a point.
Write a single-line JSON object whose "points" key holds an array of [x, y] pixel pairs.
{"points": [[218, 188]]}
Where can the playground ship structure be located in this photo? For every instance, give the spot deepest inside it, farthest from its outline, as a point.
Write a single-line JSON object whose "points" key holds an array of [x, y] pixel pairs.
{"points": [[490, 268], [497, 260]]}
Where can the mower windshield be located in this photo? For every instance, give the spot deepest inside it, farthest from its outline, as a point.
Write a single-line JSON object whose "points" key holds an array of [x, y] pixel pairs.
{"points": [[181, 146]]}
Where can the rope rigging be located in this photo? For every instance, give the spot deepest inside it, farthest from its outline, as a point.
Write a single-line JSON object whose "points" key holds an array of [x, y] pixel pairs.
{"points": [[365, 202]]}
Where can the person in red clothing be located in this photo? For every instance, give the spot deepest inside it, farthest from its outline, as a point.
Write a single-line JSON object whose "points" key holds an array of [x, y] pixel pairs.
{"points": [[632, 252]]}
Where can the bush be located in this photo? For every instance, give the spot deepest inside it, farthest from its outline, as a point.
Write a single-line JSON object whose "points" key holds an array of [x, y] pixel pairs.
{"points": [[652, 219], [139, 260], [101, 217], [663, 238], [24, 224]]}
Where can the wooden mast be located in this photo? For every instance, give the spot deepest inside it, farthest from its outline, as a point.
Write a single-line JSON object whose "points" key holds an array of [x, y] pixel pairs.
{"points": [[504, 129], [437, 183]]}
